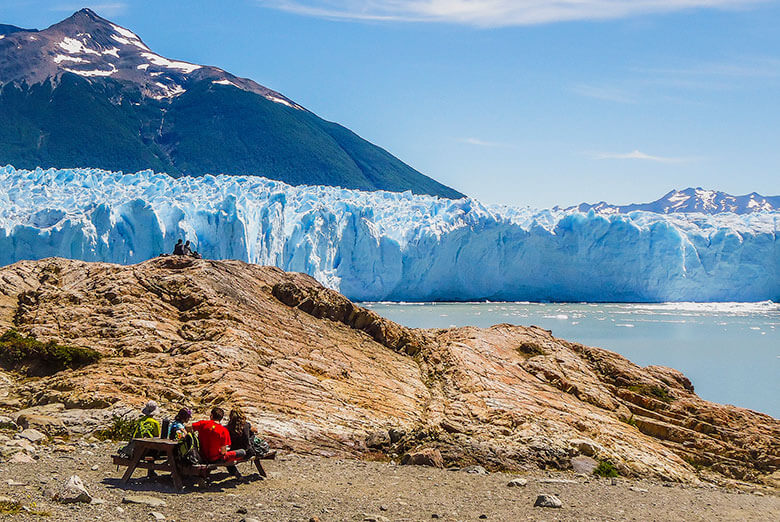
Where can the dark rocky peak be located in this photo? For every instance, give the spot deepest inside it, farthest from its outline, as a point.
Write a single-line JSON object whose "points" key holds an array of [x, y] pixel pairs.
{"points": [[8, 29]]}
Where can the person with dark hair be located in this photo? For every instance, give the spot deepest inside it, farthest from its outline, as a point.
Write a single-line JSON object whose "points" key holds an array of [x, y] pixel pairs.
{"points": [[187, 249], [178, 250], [177, 428], [215, 440]]}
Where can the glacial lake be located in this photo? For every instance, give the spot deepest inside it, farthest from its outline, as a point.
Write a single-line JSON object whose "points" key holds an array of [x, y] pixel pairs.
{"points": [[730, 351]]}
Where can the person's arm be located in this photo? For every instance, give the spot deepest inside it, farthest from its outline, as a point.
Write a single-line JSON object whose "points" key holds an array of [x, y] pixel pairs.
{"points": [[156, 429]]}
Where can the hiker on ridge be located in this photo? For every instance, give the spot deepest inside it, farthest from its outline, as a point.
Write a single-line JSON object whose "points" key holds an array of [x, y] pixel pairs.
{"points": [[178, 250], [186, 250]]}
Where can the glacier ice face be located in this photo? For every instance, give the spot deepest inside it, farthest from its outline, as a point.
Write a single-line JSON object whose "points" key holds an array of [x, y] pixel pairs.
{"points": [[392, 246]]}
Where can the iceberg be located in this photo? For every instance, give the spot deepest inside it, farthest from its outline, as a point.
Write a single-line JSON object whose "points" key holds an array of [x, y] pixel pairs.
{"points": [[386, 246]]}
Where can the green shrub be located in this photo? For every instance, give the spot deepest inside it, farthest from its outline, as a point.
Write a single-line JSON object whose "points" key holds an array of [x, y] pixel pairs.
{"points": [[657, 392], [605, 469], [120, 428], [36, 358]]}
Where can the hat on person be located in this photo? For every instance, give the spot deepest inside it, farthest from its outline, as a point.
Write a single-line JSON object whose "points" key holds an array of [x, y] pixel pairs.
{"points": [[150, 408]]}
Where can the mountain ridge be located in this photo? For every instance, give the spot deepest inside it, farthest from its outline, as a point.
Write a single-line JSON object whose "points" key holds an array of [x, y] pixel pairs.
{"points": [[691, 200], [86, 92]]}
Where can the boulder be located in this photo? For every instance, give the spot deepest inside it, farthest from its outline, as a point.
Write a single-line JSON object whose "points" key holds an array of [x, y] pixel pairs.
{"points": [[51, 426], [424, 457], [584, 465], [378, 439], [32, 435], [548, 501], [73, 491], [7, 423], [517, 482]]}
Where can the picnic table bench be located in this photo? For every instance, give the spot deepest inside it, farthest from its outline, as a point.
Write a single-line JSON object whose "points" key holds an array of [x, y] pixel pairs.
{"points": [[149, 452]]}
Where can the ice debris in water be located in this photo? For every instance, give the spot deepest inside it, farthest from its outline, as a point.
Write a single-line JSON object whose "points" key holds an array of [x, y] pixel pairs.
{"points": [[392, 246]]}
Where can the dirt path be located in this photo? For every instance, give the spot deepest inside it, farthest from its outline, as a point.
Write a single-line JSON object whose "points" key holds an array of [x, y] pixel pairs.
{"points": [[300, 488]]}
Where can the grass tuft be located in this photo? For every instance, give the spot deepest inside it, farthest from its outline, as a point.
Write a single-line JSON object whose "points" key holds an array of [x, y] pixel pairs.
{"points": [[606, 469]]}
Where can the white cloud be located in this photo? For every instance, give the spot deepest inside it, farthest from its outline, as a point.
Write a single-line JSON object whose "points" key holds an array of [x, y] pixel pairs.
{"points": [[482, 143], [637, 155], [492, 13]]}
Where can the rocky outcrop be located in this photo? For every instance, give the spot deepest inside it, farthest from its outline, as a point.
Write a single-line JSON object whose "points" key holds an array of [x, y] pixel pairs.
{"points": [[319, 374]]}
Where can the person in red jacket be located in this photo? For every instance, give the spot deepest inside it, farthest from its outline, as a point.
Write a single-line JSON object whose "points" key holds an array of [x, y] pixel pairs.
{"points": [[214, 439]]}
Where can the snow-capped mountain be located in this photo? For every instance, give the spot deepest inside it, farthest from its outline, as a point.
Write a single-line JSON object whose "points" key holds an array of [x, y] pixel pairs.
{"points": [[692, 200], [390, 246], [88, 92], [91, 47]]}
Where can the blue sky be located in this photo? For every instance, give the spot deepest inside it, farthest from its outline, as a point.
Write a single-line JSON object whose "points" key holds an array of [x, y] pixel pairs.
{"points": [[510, 101]]}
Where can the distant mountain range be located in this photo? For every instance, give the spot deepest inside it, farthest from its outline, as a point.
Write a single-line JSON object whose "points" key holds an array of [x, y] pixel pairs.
{"points": [[88, 93], [692, 200]]}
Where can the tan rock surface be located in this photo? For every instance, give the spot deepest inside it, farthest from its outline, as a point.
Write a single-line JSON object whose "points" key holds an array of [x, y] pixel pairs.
{"points": [[319, 374]]}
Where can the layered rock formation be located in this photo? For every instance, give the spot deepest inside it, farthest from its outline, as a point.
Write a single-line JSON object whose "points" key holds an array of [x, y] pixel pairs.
{"points": [[322, 375]]}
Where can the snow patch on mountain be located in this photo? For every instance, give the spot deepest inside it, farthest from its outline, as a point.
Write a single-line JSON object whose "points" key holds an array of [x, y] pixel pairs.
{"points": [[164, 62], [392, 246]]}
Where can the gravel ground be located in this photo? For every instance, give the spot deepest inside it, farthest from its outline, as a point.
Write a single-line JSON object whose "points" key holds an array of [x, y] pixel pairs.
{"points": [[300, 488]]}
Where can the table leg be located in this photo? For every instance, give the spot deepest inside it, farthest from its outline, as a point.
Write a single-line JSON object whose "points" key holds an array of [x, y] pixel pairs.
{"points": [[138, 454], [259, 467], [177, 482]]}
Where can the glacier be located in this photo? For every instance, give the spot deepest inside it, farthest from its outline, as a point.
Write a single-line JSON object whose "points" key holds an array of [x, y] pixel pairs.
{"points": [[386, 246]]}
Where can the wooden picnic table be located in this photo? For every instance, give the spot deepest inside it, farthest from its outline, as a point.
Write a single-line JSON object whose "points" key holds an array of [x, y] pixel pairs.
{"points": [[152, 447], [147, 451]]}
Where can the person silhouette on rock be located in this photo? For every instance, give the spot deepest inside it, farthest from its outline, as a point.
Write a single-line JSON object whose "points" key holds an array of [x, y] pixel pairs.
{"points": [[186, 249], [178, 250]]}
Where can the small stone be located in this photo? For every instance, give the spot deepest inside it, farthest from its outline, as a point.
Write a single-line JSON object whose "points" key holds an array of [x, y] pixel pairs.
{"points": [[475, 470], [97, 502], [638, 490], [517, 483], [95, 467], [250, 519], [22, 458], [382, 508], [12, 482], [119, 509], [144, 500], [241, 511], [32, 435], [548, 501], [613, 482], [557, 481], [157, 516], [483, 516], [314, 519], [424, 457], [435, 515], [396, 435], [73, 491]]}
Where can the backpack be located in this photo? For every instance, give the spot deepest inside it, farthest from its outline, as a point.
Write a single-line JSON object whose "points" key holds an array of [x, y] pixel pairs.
{"points": [[188, 450], [259, 446], [144, 429]]}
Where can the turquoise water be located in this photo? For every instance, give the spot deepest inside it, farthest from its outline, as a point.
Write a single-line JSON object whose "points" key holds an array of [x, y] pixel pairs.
{"points": [[730, 351]]}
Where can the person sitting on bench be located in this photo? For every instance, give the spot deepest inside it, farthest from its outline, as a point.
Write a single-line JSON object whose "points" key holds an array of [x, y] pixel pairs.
{"points": [[214, 439]]}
